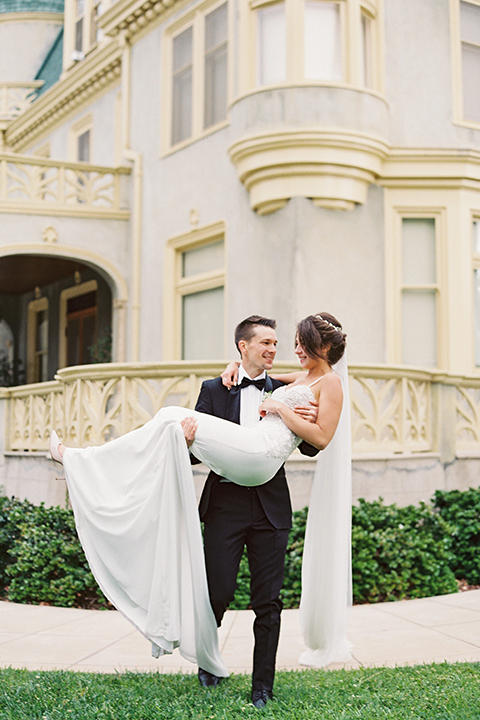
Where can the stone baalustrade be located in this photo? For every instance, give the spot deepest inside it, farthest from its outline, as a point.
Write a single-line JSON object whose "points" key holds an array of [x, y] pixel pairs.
{"points": [[409, 427]]}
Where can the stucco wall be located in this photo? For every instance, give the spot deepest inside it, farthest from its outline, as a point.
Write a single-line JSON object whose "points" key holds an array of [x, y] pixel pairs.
{"points": [[24, 46]]}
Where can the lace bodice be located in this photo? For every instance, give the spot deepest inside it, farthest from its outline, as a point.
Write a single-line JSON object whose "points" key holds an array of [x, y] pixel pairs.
{"points": [[281, 440]]}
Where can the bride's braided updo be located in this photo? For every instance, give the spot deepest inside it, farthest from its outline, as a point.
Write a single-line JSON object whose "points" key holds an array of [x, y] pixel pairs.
{"points": [[317, 332]]}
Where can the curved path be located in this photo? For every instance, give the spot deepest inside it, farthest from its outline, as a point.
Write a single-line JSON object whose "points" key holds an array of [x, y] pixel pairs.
{"points": [[445, 628]]}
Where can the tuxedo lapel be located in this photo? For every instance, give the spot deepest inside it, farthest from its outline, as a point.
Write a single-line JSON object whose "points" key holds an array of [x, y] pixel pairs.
{"points": [[233, 405], [268, 384]]}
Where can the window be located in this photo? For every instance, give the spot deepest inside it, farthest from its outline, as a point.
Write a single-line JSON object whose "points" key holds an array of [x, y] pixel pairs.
{"points": [[470, 48], [476, 289], [419, 291], [79, 25], [83, 147], [315, 40], [80, 139], [199, 73], [182, 86], [202, 309], [196, 332], [271, 44], [366, 57], [82, 31], [37, 341], [323, 52], [216, 33], [81, 327], [78, 323]]}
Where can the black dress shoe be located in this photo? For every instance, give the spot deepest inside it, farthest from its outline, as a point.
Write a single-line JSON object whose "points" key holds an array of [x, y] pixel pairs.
{"points": [[206, 679], [260, 698]]}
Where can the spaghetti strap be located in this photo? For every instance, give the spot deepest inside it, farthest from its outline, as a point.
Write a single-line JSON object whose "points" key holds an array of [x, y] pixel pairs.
{"points": [[315, 381]]}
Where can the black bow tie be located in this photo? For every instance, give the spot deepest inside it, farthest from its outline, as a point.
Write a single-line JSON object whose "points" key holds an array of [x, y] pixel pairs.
{"points": [[260, 384]]}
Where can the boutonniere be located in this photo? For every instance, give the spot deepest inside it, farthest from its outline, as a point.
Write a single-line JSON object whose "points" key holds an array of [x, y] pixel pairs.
{"points": [[266, 395]]}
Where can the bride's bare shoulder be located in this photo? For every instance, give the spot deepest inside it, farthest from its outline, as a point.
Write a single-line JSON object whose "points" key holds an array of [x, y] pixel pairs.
{"points": [[288, 378]]}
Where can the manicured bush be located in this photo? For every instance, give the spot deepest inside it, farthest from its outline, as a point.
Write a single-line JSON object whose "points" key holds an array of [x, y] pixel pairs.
{"points": [[462, 512], [42, 559], [400, 553], [396, 553]]}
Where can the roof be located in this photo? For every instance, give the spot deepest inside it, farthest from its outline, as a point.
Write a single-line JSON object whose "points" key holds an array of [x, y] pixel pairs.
{"points": [[30, 6], [51, 67]]}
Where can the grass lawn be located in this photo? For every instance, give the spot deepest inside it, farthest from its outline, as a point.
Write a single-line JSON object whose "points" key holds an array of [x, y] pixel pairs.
{"points": [[425, 692]]}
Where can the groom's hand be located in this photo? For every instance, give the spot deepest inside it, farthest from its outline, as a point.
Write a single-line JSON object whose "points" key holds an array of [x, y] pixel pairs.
{"points": [[189, 425], [307, 412]]}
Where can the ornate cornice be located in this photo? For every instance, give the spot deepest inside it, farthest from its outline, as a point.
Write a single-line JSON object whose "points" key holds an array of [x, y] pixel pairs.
{"points": [[431, 168], [132, 16], [93, 75], [20, 17], [333, 167]]}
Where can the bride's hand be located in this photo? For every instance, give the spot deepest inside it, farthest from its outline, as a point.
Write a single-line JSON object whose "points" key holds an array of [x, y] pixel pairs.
{"points": [[230, 374], [267, 406]]}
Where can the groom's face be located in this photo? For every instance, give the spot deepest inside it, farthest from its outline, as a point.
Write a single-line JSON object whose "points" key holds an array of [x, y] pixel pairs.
{"points": [[259, 352]]}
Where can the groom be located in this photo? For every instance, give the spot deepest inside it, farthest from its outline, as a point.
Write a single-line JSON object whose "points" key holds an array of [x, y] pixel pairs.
{"points": [[258, 518]]}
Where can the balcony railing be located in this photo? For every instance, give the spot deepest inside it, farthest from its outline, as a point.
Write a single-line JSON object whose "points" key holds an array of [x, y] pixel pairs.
{"points": [[395, 411], [17, 97], [49, 187]]}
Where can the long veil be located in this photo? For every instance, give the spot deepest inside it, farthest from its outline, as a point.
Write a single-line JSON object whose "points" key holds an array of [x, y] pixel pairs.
{"points": [[326, 569]]}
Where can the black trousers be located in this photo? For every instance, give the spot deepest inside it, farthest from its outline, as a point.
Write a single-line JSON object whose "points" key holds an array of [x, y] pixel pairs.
{"points": [[236, 519]]}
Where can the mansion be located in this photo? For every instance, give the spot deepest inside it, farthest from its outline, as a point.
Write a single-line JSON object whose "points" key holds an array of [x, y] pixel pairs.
{"points": [[169, 167]]}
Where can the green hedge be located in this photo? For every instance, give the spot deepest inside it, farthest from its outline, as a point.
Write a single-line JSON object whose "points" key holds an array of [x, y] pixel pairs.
{"points": [[41, 559], [397, 553]]}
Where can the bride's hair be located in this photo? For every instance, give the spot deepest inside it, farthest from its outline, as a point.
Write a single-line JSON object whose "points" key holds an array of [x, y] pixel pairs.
{"points": [[315, 332]]}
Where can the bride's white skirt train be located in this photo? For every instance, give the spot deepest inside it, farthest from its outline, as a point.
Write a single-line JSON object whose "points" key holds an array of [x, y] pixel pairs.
{"points": [[137, 518]]}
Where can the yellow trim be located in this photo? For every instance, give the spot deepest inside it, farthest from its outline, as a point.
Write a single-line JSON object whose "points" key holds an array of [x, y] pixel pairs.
{"points": [[331, 166], [308, 83], [43, 150], [114, 279], [21, 17], [176, 286], [34, 307]]}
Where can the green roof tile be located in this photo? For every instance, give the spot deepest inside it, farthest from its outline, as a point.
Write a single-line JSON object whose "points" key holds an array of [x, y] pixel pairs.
{"points": [[52, 65], [50, 6]]}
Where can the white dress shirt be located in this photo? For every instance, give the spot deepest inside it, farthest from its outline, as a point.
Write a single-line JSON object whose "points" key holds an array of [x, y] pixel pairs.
{"points": [[250, 399]]}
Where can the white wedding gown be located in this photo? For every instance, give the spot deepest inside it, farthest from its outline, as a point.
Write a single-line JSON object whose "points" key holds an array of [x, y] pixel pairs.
{"points": [[137, 518]]}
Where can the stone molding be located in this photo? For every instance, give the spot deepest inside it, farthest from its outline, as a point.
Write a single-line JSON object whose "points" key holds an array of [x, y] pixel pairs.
{"points": [[431, 168], [331, 166], [132, 16], [93, 75]]}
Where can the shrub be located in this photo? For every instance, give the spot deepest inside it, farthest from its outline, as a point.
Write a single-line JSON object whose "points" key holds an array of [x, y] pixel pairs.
{"points": [[44, 561], [400, 553], [462, 512], [396, 553]]}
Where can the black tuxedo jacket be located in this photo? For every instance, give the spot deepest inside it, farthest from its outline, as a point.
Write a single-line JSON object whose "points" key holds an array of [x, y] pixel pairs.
{"points": [[216, 399]]}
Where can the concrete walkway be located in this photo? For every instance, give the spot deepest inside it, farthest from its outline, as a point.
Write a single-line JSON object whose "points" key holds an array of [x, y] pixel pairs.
{"points": [[400, 633]]}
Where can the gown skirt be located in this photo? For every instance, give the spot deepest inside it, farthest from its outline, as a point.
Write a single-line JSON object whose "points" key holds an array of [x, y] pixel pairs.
{"points": [[137, 518]]}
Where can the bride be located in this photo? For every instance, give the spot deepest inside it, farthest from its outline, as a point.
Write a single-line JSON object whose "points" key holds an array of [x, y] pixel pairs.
{"points": [[137, 518]]}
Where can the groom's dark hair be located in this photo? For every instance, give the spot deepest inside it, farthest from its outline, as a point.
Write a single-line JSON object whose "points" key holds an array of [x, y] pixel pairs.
{"points": [[246, 329]]}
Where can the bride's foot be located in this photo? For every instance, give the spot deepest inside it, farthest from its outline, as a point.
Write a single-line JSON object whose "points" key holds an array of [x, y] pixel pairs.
{"points": [[56, 448]]}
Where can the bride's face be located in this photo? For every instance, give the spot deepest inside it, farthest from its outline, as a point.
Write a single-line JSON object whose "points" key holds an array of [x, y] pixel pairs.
{"points": [[305, 360]]}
